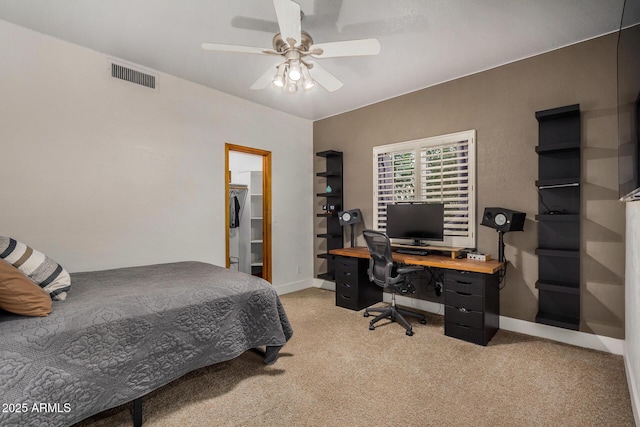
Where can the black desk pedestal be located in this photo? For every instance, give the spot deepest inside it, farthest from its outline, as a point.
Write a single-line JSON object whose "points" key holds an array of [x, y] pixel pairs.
{"points": [[472, 306], [353, 288], [472, 300]]}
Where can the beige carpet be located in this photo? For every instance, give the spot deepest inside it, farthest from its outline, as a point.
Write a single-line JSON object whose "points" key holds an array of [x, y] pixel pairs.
{"points": [[335, 372]]}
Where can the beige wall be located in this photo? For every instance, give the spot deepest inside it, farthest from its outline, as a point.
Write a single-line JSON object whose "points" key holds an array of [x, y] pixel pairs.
{"points": [[501, 104]]}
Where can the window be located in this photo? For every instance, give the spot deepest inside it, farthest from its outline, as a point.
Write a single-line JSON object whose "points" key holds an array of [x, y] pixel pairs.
{"points": [[437, 170]]}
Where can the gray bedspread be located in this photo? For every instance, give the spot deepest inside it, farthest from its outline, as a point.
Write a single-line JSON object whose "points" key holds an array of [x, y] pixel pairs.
{"points": [[125, 332]]}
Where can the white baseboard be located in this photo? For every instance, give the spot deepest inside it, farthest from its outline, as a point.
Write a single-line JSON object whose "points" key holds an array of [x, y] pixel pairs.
{"points": [[293, 287], [580, 339], [633, 390], [324, 284], [577, 338]]}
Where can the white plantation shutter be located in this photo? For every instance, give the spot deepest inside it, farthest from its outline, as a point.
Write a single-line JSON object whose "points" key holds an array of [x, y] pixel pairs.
{"points": [[395, 180], [434, 170]]}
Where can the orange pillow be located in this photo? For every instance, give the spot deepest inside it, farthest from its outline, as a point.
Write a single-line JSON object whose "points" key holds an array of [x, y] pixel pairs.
{"points": [[19, 295]]}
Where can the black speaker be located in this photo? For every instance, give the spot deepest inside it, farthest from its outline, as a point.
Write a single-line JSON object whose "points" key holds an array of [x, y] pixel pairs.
{"points": [[352, 216], [503, 219]]}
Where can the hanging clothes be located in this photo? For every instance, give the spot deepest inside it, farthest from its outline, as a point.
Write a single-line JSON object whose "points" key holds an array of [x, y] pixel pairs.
{"points": [[234, 213]]}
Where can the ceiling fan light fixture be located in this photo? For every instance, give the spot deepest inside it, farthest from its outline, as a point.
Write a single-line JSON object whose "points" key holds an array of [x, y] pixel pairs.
{"points": [[279, 78], [291, 88], [294, 46], [295, 72], [307, 81]]}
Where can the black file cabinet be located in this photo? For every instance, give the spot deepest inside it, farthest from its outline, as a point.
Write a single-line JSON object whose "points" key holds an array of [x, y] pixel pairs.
{"points": [[353, 288], [472, 306]]}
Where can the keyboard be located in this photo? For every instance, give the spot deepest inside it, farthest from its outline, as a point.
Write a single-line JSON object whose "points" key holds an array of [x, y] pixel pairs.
{"points": [[421, 252]]}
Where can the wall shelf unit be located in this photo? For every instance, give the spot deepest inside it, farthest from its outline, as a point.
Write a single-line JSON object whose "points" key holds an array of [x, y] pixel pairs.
{"points": [[251, 225], [559, 216], [333, 235]]}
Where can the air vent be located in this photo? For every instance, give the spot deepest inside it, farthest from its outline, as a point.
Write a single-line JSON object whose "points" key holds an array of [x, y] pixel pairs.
{"points": [[128, 73]]}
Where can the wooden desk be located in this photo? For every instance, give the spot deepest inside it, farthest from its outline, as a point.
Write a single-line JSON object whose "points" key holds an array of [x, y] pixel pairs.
{"points": [[471, 293], [438, 261]]}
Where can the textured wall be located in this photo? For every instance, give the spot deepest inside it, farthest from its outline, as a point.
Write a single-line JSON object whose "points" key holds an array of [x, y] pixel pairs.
{"points": [[501, 104]]}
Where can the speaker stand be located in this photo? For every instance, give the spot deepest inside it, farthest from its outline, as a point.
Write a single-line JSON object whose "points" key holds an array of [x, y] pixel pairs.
{"points": [[500, 246], [353, 237]]}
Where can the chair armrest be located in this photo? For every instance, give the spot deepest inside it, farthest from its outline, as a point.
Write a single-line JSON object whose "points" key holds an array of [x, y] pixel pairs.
{"points": [[407, 270]]}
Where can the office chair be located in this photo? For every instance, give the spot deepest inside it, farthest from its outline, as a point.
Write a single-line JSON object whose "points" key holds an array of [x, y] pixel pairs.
{"points": [[383, 272]]}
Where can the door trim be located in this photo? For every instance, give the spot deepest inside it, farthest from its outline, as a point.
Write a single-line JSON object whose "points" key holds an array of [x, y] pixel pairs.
{"points": [[266, 204]]}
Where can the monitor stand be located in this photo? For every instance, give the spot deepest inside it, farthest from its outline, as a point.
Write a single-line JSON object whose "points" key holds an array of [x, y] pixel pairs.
{"points": [[455, 251]]}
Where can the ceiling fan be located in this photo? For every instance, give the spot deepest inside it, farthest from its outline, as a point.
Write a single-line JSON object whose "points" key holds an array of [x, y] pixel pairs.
{"points": [[296, 47]]}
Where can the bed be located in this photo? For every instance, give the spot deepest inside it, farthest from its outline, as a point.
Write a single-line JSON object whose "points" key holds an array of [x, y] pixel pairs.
{"points": [[122, 333]]}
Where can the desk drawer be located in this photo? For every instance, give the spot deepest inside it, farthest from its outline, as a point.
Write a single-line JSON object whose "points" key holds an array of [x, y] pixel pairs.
{"points": [[465, 333], [469, 283], [462, 316], [347, 288], [346, 265], [348, 270], [348, 300], [461, 300], [348, 277]]}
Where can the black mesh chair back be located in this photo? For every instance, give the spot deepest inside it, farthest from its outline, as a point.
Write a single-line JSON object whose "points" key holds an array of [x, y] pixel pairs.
{"points": [[381, 262], [383, 272]]}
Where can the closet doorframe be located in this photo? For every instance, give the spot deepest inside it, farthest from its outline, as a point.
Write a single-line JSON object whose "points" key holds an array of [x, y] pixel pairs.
{"points": [[266, 203]]}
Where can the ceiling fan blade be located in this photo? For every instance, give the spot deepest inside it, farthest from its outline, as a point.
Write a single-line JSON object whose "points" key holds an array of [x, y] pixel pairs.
{"points": [[254, 24], [288, 13], [236, 49], [324, 78], [348, 48], [265, 79]]}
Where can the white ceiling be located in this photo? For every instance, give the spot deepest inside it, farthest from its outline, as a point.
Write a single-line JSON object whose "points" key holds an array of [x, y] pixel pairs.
{"points": [[424, 42]]}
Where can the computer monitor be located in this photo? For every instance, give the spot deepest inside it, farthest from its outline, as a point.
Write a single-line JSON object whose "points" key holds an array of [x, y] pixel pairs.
{"points": [[417, 221]]}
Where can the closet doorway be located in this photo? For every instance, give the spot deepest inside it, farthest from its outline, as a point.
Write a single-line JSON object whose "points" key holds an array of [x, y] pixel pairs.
{"points": [[248, 210]]}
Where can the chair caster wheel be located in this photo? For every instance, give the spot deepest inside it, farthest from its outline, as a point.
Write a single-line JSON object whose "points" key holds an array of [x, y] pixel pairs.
{"points": [[409, 332], [365, 314], [423, 322], [371, 327]]}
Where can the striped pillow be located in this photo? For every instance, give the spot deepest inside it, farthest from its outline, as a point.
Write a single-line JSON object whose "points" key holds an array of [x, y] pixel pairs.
{"points": [[36, 266]]}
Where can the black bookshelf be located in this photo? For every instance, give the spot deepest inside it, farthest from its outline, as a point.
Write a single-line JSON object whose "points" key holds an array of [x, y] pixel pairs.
{"points": [[333, 233], [559, 141]]}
